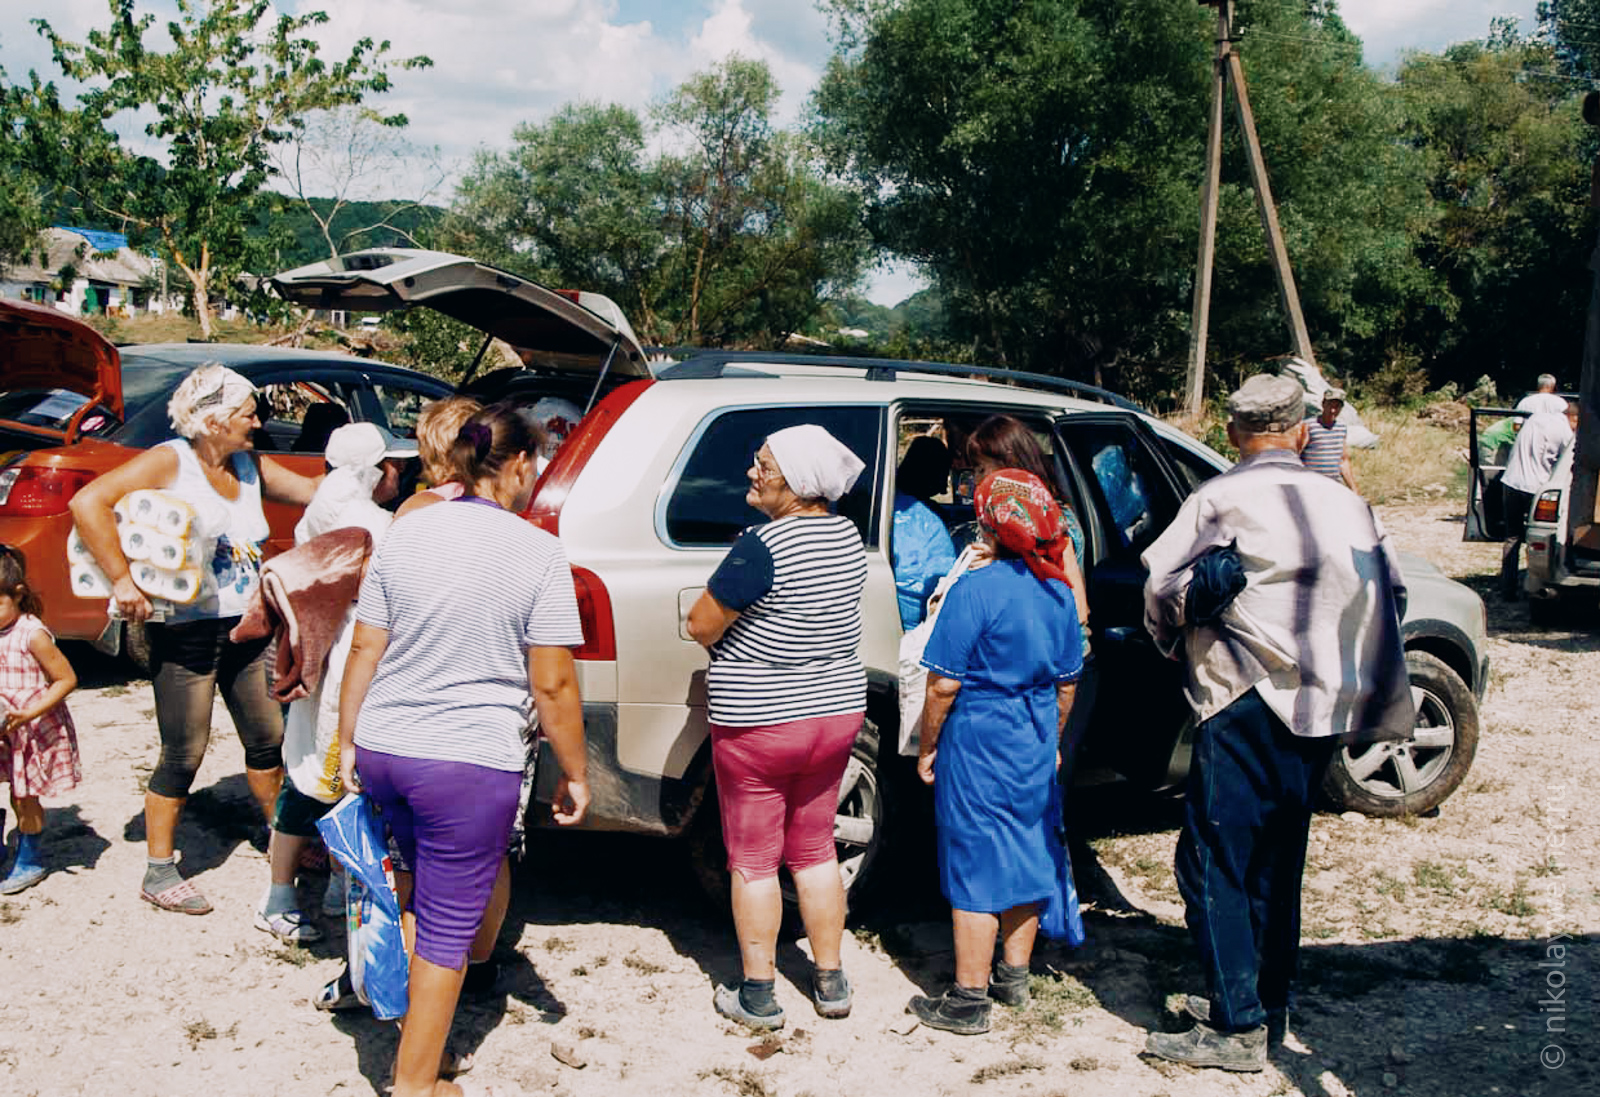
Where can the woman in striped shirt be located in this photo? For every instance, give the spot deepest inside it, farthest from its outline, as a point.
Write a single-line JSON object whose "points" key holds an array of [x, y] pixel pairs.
{"points": [[435, 698], [781, 618]]}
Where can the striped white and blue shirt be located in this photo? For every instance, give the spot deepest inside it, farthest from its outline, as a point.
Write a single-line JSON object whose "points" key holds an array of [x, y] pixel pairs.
{"points": [[791, 655], [463, 590]]}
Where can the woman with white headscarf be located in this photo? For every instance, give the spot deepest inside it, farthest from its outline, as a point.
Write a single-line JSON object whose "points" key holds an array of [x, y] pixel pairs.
{"points": [[210, 466], [781, 617]]}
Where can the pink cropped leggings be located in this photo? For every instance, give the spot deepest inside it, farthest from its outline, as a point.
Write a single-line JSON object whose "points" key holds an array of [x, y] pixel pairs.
{"points": [[778, 785]]}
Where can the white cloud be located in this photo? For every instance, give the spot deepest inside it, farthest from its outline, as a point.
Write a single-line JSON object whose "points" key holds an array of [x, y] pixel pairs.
{"points": [[1388, 27]]}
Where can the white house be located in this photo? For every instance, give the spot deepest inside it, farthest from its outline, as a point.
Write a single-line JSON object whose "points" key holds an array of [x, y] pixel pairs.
{"points": [[111, 276]]}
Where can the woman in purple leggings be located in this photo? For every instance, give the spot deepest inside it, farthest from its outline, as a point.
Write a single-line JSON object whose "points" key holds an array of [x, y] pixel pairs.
{"points": [[435, 700]]}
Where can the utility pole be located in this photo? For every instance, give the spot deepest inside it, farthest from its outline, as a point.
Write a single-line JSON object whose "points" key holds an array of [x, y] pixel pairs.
{"points": [[1229, 73]]}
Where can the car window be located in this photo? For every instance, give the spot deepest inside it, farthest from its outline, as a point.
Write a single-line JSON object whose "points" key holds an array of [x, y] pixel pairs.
{"points": [[400, 406], [706, 505], [1193, 469], [1134, 501], [298, 416]]}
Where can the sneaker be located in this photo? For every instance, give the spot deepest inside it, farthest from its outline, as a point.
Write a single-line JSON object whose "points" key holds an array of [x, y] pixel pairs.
{"points": [[727, 1002], [1198, 1007], [288, 925], [1204, 1046], [1009, 985], [965, 1017], [831, 993], [22, 877]]}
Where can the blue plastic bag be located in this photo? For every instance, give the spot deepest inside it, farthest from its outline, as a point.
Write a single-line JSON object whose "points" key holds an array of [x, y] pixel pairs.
{"points": [[379, 968], [1060, 919]]}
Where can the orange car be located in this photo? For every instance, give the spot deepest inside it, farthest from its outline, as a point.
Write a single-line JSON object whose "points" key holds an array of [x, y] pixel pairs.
{"points": [[73, 406]]}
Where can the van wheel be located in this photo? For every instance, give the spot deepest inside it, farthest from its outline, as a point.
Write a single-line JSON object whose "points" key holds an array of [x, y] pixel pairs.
{"points": [[136, 646], [1417, 774], [859, 833]]}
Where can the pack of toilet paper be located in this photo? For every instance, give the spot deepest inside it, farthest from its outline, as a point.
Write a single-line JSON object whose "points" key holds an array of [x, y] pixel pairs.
{"points": [[166, 540]]}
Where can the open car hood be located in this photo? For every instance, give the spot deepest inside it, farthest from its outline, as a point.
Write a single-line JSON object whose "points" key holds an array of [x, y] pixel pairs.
{"points": [[562, 328], [43, 348]]}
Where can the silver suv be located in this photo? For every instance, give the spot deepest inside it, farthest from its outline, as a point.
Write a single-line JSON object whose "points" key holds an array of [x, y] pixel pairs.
{"points": [[648, 491]]}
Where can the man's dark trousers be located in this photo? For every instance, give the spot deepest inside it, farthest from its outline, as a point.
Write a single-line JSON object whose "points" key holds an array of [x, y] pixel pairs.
{"points": [[1242, 853]]}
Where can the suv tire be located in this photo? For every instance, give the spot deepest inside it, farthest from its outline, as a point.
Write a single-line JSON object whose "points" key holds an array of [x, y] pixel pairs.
{"points": [[864, 803], [1372, 778]]}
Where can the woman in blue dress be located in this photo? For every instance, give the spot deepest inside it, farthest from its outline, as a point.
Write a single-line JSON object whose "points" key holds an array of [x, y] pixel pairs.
{"points": [[1002, 664]]}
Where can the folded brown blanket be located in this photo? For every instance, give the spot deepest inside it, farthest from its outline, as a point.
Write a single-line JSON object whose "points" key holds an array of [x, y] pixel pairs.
{"points": [[302, 600]]}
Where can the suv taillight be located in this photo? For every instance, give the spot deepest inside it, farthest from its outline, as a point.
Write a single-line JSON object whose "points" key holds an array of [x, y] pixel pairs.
{"points": [[38, 490], [594, 611], [544, 509], [1548, 508]]}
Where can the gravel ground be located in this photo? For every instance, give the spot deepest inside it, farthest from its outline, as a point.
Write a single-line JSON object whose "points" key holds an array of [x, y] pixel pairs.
{"points": [[1435, 948]]}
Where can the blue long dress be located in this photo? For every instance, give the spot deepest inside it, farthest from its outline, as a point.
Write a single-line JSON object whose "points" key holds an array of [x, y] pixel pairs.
{"points": [[1009, 639]]}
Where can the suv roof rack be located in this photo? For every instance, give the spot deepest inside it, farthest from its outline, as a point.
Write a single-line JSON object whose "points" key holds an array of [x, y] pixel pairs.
{"points": [[694, 363]]}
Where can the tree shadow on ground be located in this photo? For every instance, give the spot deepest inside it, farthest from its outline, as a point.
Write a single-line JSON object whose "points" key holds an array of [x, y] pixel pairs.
{"points": [[216, 821]]}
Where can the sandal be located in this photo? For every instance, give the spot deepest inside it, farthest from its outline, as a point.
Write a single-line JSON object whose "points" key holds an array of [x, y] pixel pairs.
{"points": [[288, 925], [338, 995], [181, 898]]}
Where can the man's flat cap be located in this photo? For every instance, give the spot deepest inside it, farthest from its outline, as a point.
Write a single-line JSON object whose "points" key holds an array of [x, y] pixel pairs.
{"points": [[1268, 402]]}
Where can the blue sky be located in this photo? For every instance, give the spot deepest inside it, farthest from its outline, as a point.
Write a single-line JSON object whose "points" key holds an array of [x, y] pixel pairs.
{"points": [[500, 62]]}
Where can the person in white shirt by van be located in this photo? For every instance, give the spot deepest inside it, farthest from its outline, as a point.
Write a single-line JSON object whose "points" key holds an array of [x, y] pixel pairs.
{"points": [[1543, 436], [1543, 398]]}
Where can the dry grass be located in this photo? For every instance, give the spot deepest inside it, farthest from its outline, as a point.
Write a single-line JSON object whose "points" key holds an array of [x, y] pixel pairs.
{"points": [[1415, 460]]}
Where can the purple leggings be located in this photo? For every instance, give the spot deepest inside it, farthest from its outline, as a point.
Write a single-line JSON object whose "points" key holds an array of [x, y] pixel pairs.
{"points": [[451, 821]]}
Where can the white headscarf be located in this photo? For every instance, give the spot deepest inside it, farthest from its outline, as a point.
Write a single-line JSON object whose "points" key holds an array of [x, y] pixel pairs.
{"points": [[344, 498], [814, 463], [211, 393]]}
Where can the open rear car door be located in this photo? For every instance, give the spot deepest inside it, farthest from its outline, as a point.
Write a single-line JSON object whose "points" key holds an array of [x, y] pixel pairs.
{"points": [[567, 330], [1491, 433]]}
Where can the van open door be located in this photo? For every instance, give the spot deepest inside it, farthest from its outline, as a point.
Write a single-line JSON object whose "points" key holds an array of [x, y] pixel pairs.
{"points": [[1491, 432]]}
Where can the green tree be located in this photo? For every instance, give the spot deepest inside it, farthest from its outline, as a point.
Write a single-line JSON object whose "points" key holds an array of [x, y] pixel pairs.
{"points": [[732, 237], [571, 203], [1508, 174], [1043, 161], [22, 216], [235, 82]]}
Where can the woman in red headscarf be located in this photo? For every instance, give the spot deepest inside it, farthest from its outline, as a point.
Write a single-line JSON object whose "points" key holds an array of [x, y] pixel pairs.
{"points": [[1002, 662]]}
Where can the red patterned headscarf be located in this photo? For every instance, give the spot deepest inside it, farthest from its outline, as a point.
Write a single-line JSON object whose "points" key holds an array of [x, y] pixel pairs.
{"points": [[1024, 517]]}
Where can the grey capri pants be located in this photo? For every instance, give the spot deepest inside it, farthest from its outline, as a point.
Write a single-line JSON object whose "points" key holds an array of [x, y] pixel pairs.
{"points": [[188, 663]]}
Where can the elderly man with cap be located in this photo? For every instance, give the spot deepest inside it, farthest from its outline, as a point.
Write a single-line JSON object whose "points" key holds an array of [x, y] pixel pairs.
{"points": [[1283, 594], [1327, 444], [781, 617]]}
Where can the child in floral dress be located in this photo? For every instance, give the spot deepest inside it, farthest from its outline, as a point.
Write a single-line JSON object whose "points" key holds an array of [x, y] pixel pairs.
{"points": [[38, 744]]}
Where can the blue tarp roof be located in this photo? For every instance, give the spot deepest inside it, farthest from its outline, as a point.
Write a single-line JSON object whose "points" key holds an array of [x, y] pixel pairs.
{"points": [[99, 241]]}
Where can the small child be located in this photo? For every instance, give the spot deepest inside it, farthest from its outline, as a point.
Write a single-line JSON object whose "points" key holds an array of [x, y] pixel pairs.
{"points": [[38, 744]]}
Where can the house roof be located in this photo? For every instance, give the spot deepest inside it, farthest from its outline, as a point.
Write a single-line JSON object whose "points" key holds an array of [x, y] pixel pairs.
{"points": [[97, 256]]}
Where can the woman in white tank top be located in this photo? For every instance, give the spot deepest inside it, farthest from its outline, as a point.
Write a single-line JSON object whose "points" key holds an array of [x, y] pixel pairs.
{"points": [[210, 466]]}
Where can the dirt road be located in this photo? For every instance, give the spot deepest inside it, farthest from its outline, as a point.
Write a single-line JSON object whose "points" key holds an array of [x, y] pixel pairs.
{"points": [[1428, 966]]}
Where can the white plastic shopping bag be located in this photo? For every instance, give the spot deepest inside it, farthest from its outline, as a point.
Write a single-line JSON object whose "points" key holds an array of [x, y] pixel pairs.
{"points": [[913, 675]]}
